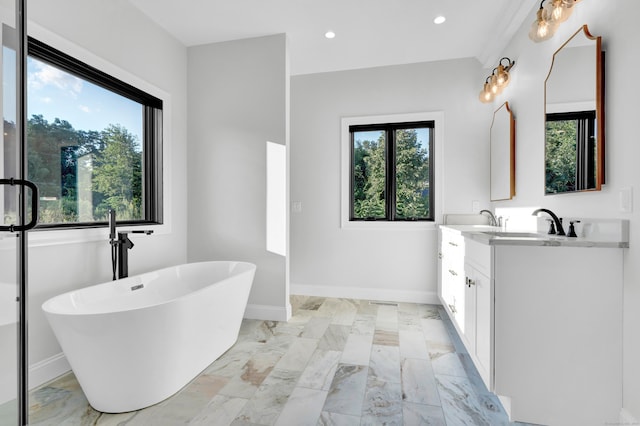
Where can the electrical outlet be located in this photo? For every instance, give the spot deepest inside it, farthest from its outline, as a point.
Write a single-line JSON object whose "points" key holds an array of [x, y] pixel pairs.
{"points": [[296, 207], [475, 206]]}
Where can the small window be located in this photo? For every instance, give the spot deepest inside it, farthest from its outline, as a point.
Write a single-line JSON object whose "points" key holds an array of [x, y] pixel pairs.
{"points": [[570, 152], [392, 172], [94, 143]]}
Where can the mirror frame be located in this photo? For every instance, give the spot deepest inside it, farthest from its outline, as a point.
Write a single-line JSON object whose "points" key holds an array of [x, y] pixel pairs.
{"points": [[512, 153], [600, 112]]}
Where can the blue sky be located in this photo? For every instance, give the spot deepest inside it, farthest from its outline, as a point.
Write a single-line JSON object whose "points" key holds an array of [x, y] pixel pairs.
{"points": [[54, 93]]}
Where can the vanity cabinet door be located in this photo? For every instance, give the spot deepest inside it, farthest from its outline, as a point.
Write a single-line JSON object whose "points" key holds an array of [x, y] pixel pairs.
{"points": [[484, 333], [469, 328], [479, 293]]}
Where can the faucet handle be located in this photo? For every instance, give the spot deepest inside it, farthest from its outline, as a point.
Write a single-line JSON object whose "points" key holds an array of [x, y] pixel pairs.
{"points": [[146, 232], [552, 227], [572, 230]]}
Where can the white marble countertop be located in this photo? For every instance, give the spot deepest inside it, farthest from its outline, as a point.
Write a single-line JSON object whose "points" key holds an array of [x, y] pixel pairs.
{"points": [[492, 235]]}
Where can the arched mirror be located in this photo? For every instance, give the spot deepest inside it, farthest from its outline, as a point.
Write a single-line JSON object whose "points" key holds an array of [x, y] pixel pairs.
{"points": [[574, 107], [503, 141]]}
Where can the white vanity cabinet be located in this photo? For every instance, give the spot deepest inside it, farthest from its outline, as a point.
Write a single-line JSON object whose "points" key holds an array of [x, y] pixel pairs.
{"points": [[541, 321], [466, 292]]}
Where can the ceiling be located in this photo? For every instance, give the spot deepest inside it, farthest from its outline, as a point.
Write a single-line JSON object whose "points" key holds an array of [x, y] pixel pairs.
{"points": [[369, 33]]}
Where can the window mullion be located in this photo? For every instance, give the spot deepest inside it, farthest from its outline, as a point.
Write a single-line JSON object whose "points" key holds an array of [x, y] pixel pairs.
{"points": [[391, 175]]}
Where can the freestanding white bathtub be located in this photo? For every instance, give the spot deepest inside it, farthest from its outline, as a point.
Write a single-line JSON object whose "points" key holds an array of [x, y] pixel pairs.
{"points": [[134, 342]]}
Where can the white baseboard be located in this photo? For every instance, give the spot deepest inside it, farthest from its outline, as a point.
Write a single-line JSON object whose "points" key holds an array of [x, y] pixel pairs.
{"points": [[47, 370], [268, 312], [627, 419], [364, 293]]}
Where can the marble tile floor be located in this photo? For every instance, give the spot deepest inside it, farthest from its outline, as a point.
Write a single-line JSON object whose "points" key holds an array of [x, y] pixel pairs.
{"points": [[336, 362]]}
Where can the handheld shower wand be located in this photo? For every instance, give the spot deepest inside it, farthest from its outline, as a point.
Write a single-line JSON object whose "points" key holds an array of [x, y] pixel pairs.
{"points": [[112, 225], [113, 242]]}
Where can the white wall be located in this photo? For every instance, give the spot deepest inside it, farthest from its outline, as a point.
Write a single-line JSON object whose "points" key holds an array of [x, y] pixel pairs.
{"points": [[118, 39], [616, 22], [238, 100], [386, 264]]}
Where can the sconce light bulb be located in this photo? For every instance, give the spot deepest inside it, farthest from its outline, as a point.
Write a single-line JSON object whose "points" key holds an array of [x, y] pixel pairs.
{"points": [[559, 10], [557, 13], [485, 94], [556, 9], [542, 28], [494, 85], [502, 77]]}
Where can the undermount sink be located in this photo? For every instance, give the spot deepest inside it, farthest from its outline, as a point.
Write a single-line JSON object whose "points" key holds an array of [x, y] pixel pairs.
{"points": [[513, 234]]}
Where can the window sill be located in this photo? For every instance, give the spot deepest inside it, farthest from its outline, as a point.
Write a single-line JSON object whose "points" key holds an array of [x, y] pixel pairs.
{"points": [[51, 237], [388, 225]]}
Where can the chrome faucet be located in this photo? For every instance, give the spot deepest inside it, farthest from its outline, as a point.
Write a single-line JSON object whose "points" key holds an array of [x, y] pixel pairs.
{"points": [[492, 218], [558, 222]]}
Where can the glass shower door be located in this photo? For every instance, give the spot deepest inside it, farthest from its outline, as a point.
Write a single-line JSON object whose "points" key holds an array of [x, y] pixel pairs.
{"points": [[9, 288], [18, 206]]}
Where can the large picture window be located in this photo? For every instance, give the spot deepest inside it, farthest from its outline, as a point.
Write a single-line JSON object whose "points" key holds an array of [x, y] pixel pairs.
{"points": [[94, 142], [392, 172]]}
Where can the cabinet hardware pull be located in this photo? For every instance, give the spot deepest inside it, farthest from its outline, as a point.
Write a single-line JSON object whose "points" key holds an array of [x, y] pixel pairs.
{"points": [[453, 308], [470, 282], [453, 244], [439, 255], [452, 272]]}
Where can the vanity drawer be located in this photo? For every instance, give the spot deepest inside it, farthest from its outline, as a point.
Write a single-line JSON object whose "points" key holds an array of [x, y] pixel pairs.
{"points": [[452, 245], [453, 272]]}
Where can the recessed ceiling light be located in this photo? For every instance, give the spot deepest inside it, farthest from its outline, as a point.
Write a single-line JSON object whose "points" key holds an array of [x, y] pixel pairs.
{"points": [[439, 19], [329, 34]]}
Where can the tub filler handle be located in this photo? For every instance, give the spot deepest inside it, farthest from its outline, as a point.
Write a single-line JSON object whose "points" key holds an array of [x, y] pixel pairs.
{"points": [[120, 247]]}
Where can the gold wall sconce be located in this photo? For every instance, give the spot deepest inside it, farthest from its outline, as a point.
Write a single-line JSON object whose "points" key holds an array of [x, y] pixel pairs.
{"points": [[549, 17], [497, 81]]}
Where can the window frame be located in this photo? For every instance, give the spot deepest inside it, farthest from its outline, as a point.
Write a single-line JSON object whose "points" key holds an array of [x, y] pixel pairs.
{"points": [[152, 128], [437, 171], [389, 130]]}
